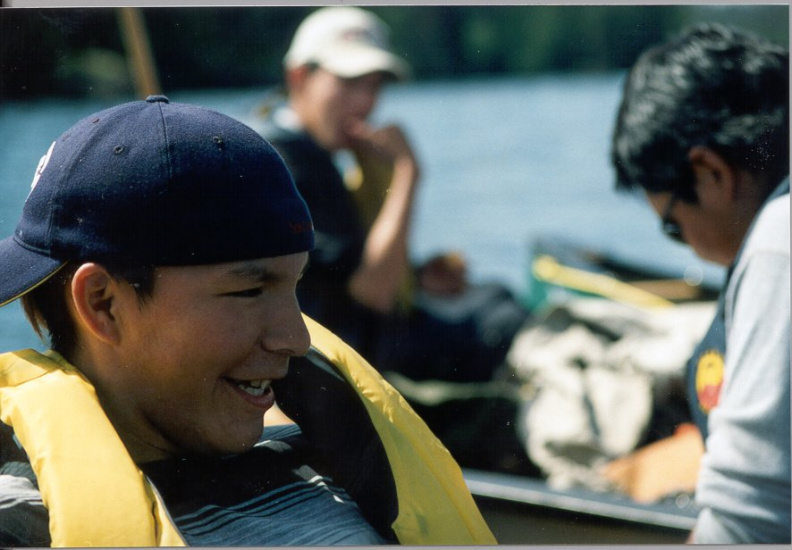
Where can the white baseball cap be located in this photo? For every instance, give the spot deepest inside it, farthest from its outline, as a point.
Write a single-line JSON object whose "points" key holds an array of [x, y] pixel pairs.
{"points": [[346, 41]]}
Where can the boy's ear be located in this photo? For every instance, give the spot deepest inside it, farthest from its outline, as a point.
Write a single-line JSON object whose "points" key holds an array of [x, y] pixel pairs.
{"points": [[715, 177], [94, 293]]}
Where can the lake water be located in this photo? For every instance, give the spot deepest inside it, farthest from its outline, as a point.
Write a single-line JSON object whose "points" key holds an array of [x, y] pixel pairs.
{"points": [[504, 161]]}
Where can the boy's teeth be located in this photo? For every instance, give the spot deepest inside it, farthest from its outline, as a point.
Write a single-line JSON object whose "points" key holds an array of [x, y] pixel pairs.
{"points": [[256, 388]]}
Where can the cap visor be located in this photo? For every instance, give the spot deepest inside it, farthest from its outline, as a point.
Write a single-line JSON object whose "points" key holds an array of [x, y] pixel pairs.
{"points": [[357, 61], [22, 270]]}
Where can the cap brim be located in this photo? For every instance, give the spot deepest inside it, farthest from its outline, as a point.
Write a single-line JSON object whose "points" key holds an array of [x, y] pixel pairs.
{"points": [[351, 62], [22, 270]]}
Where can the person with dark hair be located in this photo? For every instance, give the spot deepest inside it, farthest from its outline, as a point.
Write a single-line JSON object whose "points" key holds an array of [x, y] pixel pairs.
{"points": [[160, 247], [703, 130]]}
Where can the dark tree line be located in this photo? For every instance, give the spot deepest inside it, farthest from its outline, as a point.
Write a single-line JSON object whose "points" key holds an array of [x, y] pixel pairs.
{"points": [[79, 52]]}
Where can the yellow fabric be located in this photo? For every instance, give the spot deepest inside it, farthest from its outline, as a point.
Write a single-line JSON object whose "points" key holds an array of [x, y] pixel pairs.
{"points": [[369, 182], [435, 506], [96, 496], [94, 493]]}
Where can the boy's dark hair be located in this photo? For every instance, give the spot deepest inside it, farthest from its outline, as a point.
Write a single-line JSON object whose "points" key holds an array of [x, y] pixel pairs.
{"points": [[46, 309], [714, 87]]}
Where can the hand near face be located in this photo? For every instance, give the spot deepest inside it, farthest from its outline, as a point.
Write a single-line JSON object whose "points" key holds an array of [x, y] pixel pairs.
{"points": [[389, 143]]}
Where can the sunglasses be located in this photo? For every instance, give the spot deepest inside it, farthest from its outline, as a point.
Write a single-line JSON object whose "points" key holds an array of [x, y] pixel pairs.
{"points": [[668, 226]]}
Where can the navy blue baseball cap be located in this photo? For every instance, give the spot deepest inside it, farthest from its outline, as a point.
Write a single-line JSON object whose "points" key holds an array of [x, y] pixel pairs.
{"points": [[154, 183]]}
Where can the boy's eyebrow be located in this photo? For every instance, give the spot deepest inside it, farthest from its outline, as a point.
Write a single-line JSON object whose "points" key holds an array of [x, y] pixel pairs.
{"points": [[252, 271], [256, 272]]}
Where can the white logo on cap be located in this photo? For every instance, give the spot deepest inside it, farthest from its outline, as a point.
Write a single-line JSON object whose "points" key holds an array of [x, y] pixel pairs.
{"points": [[41, 166]]}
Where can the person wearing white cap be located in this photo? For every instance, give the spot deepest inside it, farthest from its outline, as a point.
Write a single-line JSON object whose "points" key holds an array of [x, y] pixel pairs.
{"points": [[335, 68], [360, 282]]}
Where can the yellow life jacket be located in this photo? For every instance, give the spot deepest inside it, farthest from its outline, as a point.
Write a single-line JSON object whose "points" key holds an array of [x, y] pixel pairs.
{"points": [[434, 504], [97, 496], [368, 181], [94, 493]]}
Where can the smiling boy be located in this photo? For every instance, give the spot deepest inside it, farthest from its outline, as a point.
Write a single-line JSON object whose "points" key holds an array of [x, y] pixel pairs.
{"points": [[160, 247], [203, 385]]}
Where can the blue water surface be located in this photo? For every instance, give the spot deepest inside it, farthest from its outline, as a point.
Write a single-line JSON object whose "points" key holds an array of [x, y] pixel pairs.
{"points": [[504, 161]]}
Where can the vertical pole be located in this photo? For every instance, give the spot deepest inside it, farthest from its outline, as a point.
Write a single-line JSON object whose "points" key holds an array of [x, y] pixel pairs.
{"points": [[138, 50]]}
